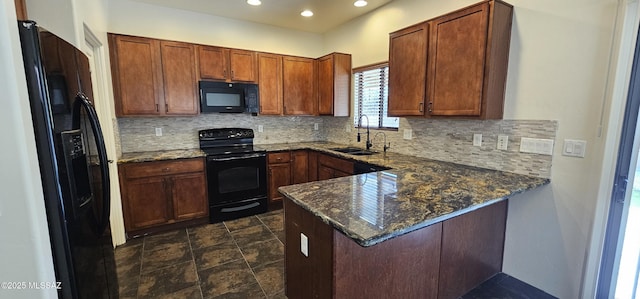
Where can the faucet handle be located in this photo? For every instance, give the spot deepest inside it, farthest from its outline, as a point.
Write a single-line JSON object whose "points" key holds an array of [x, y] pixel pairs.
{"points": [[386, 147]]}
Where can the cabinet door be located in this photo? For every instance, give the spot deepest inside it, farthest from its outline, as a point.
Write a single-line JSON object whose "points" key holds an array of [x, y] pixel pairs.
{"points": [[243, 65], [212, 62], [270, 87], [334, 84], [137, 75], [313, 166], [180, 82], [325, 172], [298, 86], [457, 51], [145, 202], [408, 70], [189, 196], [325, 85], [299, 167], [279, 175]]}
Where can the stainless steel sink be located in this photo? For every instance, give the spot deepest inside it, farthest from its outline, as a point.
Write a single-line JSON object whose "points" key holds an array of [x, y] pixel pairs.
{"points": [[356, 151]]}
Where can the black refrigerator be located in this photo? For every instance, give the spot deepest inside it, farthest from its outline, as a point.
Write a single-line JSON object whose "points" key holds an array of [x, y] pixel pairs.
{"points": [[73, 164]]}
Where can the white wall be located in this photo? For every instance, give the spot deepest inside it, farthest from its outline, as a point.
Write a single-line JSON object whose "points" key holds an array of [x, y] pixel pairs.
{"points": [[557, 71], [135, 18], [25, 253]]}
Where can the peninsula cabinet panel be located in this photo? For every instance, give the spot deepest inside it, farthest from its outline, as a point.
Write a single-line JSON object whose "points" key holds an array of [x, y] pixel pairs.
{"points": [[299, 86], [270, 87], [137, 75], [180, 80], [408, 70], [334, 84], [410, 268], [472, 249]]}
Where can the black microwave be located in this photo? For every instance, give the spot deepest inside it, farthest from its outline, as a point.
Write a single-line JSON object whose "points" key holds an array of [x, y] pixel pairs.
{"points": [[228, 97]]}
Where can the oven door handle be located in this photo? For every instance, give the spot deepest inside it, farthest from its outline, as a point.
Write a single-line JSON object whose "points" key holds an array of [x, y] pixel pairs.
{"points": [[240, 208], [235, 158]]}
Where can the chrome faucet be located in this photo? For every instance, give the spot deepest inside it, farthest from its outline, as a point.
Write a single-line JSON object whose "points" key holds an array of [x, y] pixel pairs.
{"points": [[368, 143], [385, 147]]}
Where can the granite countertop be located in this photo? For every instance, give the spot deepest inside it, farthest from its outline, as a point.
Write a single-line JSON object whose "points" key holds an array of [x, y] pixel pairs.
{"points": [[415, 193], [374, 207], [160, 155]]}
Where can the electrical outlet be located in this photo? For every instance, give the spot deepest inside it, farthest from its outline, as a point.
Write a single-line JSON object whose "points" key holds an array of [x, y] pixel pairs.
{"points": [[536, 146], [477, 139], [260, 128], [407, 134], [304, 244], [503, 141], [158, 132], [316, 126]]}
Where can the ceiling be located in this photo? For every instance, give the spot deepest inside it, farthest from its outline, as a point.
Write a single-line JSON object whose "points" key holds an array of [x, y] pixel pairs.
{"points": [[282, 13]]}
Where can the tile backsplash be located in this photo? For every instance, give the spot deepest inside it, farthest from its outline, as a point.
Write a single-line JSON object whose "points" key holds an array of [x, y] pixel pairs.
{"points": [[444, 140]]}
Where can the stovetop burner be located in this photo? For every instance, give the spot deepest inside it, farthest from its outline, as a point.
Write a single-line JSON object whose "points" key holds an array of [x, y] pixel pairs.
{"points": [[226, 141]]}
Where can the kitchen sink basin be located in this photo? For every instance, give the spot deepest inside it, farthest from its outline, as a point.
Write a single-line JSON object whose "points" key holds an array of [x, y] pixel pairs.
{"points": [[356, 151]]}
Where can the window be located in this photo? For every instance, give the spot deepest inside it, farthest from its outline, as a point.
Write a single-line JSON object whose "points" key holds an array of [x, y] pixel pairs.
{"points": [[371, 89]]}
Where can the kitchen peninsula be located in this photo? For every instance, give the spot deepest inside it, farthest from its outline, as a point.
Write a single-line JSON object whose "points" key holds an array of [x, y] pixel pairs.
{"points": [[423, 229]]}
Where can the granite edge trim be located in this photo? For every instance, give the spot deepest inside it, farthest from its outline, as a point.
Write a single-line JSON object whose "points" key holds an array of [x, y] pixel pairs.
{"points": [[384, 237]]}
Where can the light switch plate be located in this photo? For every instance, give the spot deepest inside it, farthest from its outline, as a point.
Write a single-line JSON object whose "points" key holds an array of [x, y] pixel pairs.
{"points": [[536, 146], [158, 132], [304, 244], [477, 139], [574, 148], [260, 128], [407, 134], [316, 126]]}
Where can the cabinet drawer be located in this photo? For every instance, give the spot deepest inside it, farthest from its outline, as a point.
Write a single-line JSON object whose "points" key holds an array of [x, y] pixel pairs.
{"points": [[336, 163], [281, 157], [148, 169]]}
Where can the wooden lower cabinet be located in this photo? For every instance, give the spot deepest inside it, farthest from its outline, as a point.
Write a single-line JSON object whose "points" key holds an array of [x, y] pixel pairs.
{"points": [[443, 260], [330, 167], [156, 195], [286, 168]]}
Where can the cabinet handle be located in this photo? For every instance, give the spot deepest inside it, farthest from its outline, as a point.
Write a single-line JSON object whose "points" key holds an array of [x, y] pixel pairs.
{"points": [[166, 107], [232, 74], [166, 169], [157, 108], [224, 73], [421, 107], [430, 107]]}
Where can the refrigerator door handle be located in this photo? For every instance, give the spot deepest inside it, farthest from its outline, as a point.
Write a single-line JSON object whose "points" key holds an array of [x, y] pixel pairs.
{"points": [[81, 101]]}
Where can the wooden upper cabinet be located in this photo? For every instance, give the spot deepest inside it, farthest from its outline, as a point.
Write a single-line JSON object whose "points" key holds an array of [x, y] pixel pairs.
{"points": [[212, 62], [137, 75], [270, 87], [408, 70], [334, 84], [153, 77], [466, 56], [216, 63], [299, 86], [458, 48], [180, 81], [21, 10]]}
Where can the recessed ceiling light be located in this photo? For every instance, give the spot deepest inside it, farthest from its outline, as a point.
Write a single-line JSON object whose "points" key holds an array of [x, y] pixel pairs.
{"points": [[360, 3], [306, 13], [254, 2]]}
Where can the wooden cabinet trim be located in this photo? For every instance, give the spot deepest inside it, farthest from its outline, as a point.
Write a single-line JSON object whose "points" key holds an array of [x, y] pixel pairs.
{"points": [[158, 168]]}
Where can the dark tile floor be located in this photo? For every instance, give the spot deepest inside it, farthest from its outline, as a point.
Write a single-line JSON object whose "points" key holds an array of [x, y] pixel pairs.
{"points": [[503, 286], [243, 258]]}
